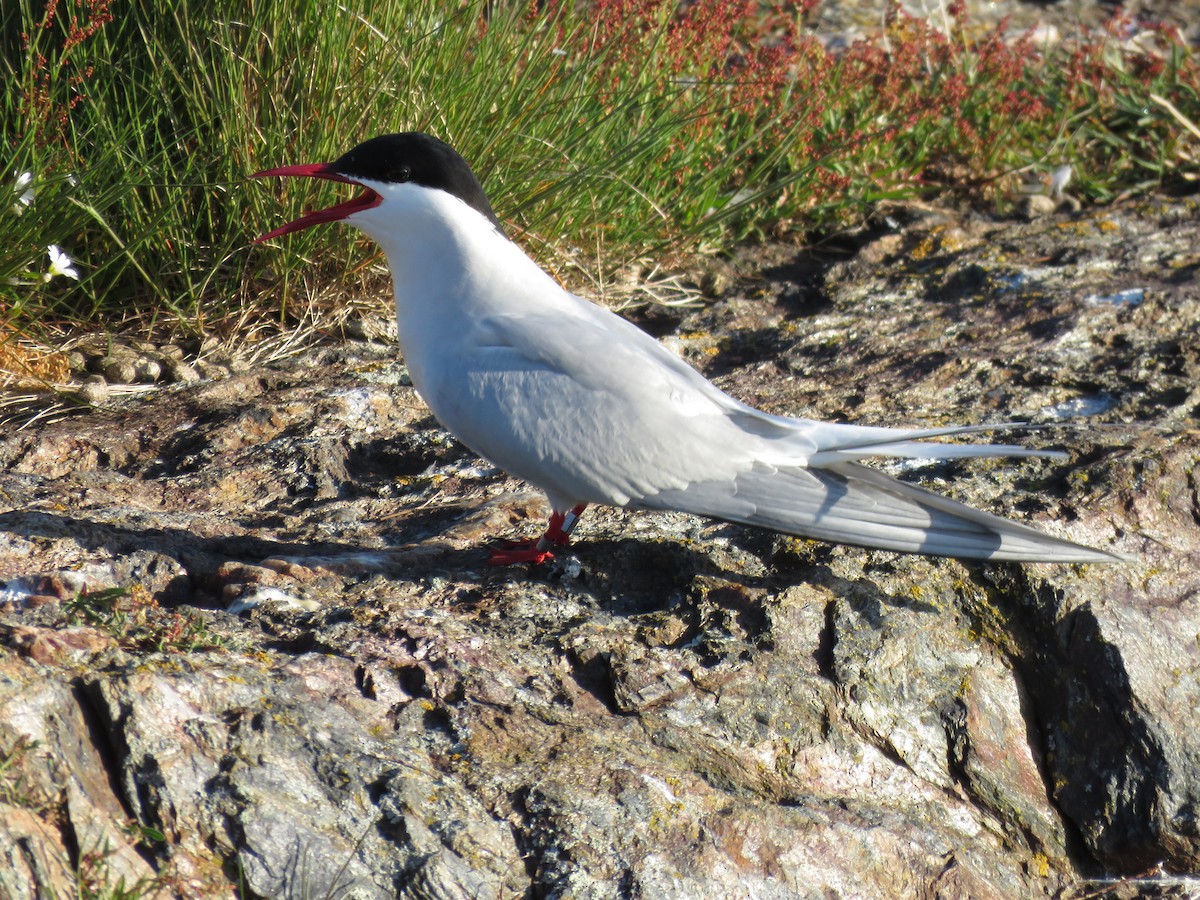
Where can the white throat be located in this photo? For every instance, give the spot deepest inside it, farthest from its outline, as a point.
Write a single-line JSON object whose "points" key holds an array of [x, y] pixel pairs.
{"points": [[451, 269]]}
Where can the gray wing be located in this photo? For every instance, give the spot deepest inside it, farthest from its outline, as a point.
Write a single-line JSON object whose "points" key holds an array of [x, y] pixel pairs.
{"points": [[592, 409], [849, 503]]}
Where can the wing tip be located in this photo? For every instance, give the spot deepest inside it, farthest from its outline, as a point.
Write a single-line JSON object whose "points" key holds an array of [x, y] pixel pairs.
{"points": [[1067, 554]]}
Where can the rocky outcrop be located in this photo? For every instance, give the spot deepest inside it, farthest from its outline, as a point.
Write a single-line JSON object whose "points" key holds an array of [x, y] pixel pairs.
{"points": [[251, 647]]}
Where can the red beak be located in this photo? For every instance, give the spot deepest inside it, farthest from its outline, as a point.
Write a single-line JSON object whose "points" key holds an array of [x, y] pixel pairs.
{"points": [[335, 213]]}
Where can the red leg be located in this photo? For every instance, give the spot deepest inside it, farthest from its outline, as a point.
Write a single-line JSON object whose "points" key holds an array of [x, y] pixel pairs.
{"points": [[557, 534]]}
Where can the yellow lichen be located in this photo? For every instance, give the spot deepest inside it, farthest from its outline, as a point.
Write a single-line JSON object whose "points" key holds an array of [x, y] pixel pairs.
{"points": [[1041, 865]]}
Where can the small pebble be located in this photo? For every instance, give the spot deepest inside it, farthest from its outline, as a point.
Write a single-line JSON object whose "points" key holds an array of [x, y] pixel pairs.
{"points": [[1035, 206], [1130, 297], [148, 370], [94, 390], [714, 283], [119, 371], [211, 369], [177, 371], [371, 328]]}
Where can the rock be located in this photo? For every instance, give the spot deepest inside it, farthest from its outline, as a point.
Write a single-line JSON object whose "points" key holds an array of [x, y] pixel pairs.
{"points": [[77, 362], [370, 328], [58, 792], [209, 369], [176, 371], [94, 390], [119, 371], [1036, 206], [675, 708], [34, 860], [148, 369], [70, 647]]}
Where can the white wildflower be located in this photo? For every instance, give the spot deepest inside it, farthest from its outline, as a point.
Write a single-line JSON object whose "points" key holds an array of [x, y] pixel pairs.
{"points": [[60, 264], [23, 188]]}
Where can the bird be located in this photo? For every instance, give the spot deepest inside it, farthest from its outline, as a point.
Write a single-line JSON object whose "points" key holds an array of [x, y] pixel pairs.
{"points": [[566, 395]]}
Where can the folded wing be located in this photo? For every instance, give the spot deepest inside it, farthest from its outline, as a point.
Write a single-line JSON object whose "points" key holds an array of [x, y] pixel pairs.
{"points": [[849, 503]]}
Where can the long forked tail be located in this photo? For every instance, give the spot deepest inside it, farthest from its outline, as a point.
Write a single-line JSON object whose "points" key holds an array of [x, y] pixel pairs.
{"points": [[849, 503]]}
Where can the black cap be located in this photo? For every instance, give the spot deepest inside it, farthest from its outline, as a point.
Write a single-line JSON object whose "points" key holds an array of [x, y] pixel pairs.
{"points": [[419, 158]]}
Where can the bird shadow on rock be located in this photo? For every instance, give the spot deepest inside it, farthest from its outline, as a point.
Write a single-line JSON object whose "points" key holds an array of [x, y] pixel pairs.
{"points": [[704, 585], [632, 577], [789, 561], [625, 576], [199, 556]]}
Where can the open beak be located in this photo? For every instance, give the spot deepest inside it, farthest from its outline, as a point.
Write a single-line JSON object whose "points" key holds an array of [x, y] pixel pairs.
{"points": [[335, 213]]}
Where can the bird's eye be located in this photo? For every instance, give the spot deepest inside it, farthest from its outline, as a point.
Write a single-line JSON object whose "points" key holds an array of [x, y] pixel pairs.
{"points": [[404, 173]]}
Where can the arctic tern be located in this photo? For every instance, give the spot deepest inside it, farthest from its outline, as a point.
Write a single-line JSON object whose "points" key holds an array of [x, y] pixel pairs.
{"points": [[579, 402]]}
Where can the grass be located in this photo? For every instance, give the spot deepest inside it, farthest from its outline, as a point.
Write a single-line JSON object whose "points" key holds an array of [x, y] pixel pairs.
{"points": [[138, 622], [604, 132], [14, 789]]}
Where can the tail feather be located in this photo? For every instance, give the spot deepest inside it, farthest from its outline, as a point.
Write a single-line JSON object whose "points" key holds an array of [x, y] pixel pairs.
{"points": [[849, 503], [845, 443], [924, 450]]}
